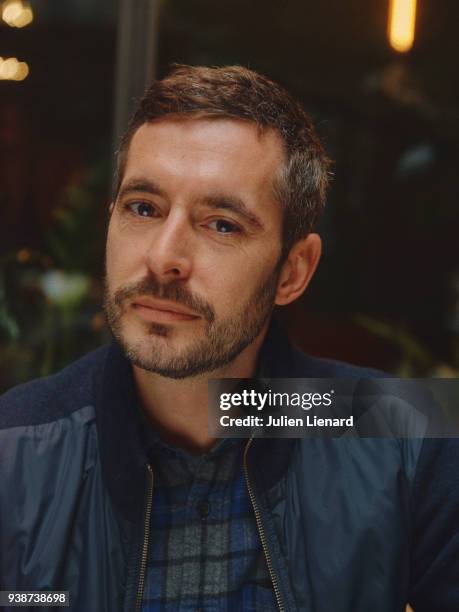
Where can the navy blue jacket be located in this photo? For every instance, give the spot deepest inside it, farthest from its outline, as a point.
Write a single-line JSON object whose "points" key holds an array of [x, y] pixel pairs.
{"points": [[348, 525]]}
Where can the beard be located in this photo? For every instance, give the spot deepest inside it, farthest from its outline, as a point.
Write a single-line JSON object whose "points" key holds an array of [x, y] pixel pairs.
{"points": [[217, 345]]}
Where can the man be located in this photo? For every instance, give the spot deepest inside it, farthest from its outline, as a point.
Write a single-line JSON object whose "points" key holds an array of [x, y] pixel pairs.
{"points": [[112, 487]]}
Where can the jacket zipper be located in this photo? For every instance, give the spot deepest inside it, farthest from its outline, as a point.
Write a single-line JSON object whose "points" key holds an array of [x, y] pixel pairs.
{"points": [[264, 542], [146, 537]]}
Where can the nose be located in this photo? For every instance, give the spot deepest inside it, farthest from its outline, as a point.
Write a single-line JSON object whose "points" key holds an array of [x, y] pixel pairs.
{"points": [[169, 253]]}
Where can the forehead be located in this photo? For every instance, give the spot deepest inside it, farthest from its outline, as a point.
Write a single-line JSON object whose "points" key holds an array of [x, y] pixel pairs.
{"points": [[206, 154]]}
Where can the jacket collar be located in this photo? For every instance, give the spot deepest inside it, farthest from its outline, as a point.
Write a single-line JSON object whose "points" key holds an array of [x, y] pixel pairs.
{"points": [[123, 452]]}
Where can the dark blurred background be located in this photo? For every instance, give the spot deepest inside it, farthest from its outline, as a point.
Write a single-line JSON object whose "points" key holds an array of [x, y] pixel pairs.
{"points": [[387, 291]]}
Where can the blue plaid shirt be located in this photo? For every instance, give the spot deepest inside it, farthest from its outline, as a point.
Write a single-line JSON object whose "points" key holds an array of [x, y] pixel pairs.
{"points": [[205, 552]]}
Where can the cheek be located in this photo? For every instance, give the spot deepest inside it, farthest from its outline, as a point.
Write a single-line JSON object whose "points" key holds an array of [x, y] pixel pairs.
{"points": [[232, 288], [122, 256]]}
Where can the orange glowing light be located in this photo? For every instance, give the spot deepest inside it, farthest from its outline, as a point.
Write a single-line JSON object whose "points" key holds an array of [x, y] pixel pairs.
{"points": [[11, 69], [402, 20], [16, 13]]}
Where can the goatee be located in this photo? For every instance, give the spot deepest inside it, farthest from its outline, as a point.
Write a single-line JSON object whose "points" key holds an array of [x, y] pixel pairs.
{"points": [[217, 345]]}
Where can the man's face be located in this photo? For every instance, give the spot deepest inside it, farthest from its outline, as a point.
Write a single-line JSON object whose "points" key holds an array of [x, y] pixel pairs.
{"points": [[193, 245]]}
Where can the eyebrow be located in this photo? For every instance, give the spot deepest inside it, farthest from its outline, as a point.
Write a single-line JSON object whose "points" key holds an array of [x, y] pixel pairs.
{"points": [[143, 185], [235, 205]]}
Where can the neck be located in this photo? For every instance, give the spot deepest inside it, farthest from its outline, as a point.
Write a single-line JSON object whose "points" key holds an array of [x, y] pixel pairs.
{"points": [[178, 409]]}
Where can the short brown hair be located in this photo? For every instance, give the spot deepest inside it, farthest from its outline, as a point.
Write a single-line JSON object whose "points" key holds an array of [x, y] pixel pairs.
{"points": [[234, 92]]}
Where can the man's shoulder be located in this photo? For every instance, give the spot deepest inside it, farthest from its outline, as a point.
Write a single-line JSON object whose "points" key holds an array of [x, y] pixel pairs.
{"points": [[52, 397], [306, 366], [280, 358]]}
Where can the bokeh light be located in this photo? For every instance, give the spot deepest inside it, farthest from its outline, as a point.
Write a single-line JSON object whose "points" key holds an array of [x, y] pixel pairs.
{"points": [[402, 19], [16, 13], [11, 69]]}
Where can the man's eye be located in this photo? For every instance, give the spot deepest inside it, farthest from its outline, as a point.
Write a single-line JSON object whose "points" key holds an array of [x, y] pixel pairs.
{"points": [[224, 227], [141, 209]]}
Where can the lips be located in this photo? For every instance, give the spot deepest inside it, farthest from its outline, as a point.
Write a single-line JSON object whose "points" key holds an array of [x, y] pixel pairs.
{"points": [[162, 310]]}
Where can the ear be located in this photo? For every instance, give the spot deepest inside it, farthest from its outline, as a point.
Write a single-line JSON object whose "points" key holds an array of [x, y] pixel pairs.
{"points": [[110, 208], [298, 269]]}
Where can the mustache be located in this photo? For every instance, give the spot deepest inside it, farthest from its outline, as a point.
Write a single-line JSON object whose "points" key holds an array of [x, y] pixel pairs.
{"points": [[173, 291]]}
